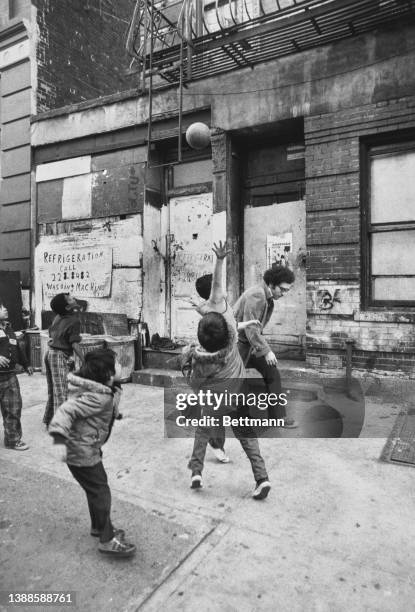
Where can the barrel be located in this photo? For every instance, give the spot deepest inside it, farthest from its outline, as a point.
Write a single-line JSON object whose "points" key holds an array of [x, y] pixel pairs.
{"points": [[123, 347], [33, 351], [88, 343]]}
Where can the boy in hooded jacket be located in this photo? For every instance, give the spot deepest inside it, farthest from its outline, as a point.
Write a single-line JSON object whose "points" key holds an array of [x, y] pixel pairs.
{"points": [[80, 427]]}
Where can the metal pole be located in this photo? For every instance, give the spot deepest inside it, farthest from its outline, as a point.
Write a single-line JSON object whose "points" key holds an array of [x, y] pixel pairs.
{"points": [[179, 140], [150, 85], [349, 351]]}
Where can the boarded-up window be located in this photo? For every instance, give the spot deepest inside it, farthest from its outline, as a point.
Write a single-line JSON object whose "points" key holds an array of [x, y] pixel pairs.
{"points": [[391, 224]]}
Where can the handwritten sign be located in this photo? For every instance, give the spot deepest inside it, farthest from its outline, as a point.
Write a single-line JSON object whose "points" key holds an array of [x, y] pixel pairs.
{"points": [[84, 271], [188, 266]]}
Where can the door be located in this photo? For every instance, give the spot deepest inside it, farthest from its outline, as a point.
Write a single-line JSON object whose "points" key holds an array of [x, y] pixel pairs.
{"points": [[276, 233], [193, 229]]}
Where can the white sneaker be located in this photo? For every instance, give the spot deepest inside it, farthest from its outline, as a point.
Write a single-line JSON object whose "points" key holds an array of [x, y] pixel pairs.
{"points": [[220, 454], [262, 490]]}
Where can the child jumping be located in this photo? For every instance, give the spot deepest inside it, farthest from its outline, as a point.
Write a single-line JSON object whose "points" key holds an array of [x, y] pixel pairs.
{"points": [[64, 338], [209, 288], [83, 423], [217, 359]]}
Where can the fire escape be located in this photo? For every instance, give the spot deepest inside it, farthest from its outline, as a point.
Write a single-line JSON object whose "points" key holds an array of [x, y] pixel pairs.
{"points": [[178, 41]]}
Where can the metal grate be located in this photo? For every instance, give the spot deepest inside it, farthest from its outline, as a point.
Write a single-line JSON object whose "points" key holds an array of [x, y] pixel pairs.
{"points": [[404, 448], [283, 32]]}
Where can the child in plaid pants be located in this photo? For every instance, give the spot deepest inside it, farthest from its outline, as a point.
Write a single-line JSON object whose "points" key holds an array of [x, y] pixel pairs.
{"points": [[10, 397], [64, 341]]}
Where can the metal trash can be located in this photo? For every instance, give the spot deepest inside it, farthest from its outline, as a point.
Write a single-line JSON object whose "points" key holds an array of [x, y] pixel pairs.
{"points": [[124, 348], [89, 343], [33, 350]]}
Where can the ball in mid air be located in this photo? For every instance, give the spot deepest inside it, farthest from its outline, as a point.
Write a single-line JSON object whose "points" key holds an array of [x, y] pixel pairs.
{"points": [[198, 135]]}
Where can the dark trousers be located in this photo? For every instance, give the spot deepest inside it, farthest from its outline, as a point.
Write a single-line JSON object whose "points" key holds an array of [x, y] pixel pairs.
{"points": [[11, 408], [247, 439], [270, 374], [219, 440], [93, 480]]}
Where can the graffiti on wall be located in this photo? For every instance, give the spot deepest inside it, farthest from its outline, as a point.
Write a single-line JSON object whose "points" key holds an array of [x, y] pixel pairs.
{"points": [[333, 299], [329, 299], [188, 267], [85, 271]]}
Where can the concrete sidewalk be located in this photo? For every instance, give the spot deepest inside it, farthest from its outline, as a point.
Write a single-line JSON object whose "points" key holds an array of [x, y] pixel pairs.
{"points": [[335, 534]]}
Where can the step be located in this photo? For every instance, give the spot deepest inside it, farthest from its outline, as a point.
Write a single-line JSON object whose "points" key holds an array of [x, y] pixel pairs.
{"points": [[166, 359]]}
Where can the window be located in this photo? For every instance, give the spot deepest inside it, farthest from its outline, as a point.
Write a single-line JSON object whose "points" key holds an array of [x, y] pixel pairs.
{"points": [[389, 223]]}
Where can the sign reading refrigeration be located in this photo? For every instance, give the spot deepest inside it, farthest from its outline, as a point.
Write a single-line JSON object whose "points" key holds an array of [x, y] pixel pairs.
{"points": [[84, 272]]}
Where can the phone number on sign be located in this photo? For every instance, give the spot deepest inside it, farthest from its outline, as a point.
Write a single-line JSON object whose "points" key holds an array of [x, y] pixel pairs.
{"points": [[66, 598]]}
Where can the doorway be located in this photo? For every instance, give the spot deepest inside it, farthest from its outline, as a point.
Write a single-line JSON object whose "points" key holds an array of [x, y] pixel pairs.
{"points": [[193, 229], [274, 232]]}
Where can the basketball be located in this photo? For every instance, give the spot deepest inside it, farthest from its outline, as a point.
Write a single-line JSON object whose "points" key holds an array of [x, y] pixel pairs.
{"points": [[198, 135]]}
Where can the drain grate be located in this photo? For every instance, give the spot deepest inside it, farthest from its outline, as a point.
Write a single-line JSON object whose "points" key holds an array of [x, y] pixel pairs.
{"points": [[404, 448], [400, 446]]}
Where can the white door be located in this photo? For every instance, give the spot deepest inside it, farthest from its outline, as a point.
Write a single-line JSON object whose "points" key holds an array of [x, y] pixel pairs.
{"points": [[193, 229], [270, 232]]}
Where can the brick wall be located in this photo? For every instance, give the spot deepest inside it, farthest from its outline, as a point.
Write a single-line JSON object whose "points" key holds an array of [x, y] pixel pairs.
{"points": [[382, 340], [80, 50]]}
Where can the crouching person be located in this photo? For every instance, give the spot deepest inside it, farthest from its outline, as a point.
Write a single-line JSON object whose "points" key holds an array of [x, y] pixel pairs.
{"points": [[80, 427]]}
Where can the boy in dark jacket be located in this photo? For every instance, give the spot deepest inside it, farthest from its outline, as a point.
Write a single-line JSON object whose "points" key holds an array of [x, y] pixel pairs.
{"points": [[65, 335], [10, 397], [83, 423]]}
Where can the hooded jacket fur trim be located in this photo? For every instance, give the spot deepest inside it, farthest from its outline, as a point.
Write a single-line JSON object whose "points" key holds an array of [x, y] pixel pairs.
{"points": [[84, 420]]}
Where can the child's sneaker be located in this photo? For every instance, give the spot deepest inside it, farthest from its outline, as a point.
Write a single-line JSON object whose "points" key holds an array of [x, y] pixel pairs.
{"points": [[220, 454], [262, 489], [117, 548], [19, 446], [197, 482]]}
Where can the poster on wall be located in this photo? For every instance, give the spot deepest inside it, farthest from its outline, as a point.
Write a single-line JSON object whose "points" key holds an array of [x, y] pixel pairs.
{"points": [[279, 246], [85, 271]]}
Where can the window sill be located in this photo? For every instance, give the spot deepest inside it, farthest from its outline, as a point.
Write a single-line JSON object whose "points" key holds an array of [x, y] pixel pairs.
{"points": [[377, 316]]}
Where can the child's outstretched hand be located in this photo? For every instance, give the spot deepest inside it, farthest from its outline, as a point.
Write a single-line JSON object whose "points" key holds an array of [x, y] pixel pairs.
{"points": [[221, 250]]}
